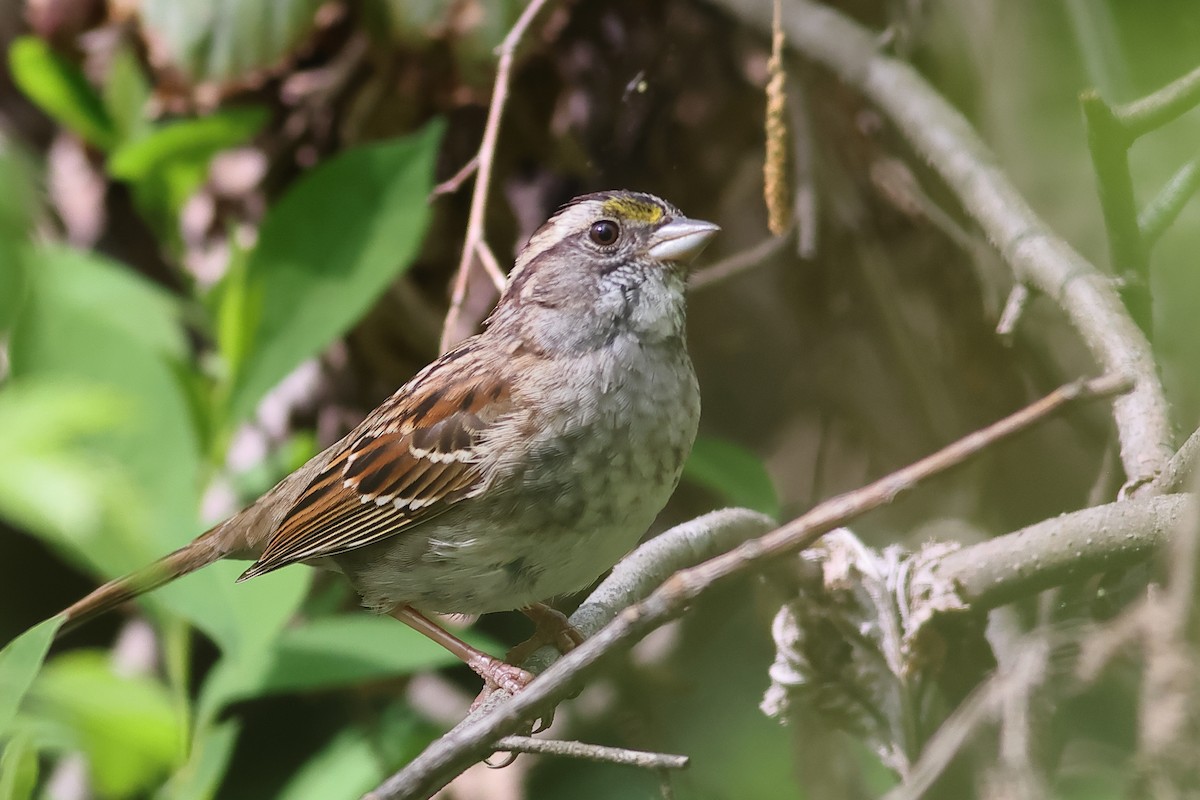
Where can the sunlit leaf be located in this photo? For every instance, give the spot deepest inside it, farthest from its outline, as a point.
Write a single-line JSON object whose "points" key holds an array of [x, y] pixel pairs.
{"points": [[20, 661], [734, 473], [127, 726], [356, 760], [211, 751], [18, 769], [348, 766], [50, 481], [90, 321], [167, 165], [60, 89], [327, 250], [242, 618]]}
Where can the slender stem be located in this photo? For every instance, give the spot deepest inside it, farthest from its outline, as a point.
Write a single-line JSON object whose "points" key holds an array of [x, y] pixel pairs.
{"points": [[1160, 212], [1014, 307], [483, 179], [1108, 143], [591, 752], [454, 182], [1155, 110], [1181, 467], [739, 262]]}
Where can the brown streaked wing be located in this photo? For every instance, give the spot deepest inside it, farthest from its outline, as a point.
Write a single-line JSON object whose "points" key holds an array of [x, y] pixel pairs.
{"points": [[412, 459]]}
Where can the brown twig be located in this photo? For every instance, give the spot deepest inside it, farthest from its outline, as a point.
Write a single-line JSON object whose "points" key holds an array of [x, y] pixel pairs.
{"points": [[737, 263], [475, 737], [591, 752], [473, 238], [1014, 307], [455, 181]]}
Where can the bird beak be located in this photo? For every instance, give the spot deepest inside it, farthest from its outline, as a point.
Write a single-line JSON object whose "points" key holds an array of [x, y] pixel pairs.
{"points": [[681, 239]]}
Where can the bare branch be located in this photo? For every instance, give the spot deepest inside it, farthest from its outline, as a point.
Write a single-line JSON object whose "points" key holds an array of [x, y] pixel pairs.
{"points": [[1164, 209], [1155, 110], [1014, 307], [738, 262], [1181, 466], [591, 752], [1053, 551], [454, 182], [487, 152]]}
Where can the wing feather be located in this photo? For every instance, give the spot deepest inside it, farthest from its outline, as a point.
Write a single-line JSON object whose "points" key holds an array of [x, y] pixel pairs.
{"points": [[410, 460]]}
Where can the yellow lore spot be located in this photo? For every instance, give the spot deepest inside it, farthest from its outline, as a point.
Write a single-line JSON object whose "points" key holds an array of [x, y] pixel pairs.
{"points": [[630, 208]]}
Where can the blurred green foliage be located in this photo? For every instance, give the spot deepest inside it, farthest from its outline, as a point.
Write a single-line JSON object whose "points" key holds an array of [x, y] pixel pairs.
{"points": [[110, 425]]}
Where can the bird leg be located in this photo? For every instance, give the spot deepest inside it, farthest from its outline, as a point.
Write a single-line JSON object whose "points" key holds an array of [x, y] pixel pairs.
{"points": [[552, 627], [496, 674]]}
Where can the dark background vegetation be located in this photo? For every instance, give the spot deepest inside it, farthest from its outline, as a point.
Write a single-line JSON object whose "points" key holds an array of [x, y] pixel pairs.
{"points": [[818, 373]]}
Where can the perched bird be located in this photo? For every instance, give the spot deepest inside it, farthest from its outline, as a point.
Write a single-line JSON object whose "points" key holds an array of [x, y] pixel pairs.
{"points": [[518, 466]]}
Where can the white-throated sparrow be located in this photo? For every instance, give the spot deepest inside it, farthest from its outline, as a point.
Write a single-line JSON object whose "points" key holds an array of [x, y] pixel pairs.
{"points": [[519, 465]]}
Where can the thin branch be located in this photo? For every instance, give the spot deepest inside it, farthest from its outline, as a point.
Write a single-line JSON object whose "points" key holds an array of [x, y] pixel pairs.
{"points": [[487, 154], [1036, 255], [491, 265], [1109, 148], [453, 183], [739, 262], [591, 752], [985, 703], [1181, 466], [473, 739], [1164, 209], [1057, 550], [1014, 307], [1155, 110], [807, 200]]}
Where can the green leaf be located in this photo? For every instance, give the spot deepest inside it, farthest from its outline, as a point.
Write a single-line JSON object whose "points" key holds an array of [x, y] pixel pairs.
{"points": [[357, 759], [20, 661], [111, 295], [90, 321], [734, 473], [127, 726], [18, 769], [59, 88], [12, 279], [221, 40], [242, 618], [126, 92], [18, 204], [327, 250], [348, 766], [347, 649], [50, 482], [168, 165], [208, 761], [19, 200]]}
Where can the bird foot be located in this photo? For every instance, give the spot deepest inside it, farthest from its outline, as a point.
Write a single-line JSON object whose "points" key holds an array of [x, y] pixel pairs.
{"points": [[552, 627]]}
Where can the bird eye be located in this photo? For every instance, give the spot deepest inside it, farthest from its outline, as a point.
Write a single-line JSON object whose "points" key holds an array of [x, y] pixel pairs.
{"points": [[604, 232]]}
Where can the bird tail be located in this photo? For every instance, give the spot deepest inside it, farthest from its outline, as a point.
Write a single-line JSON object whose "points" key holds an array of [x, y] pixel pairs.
{"points": [[199, 553]]}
